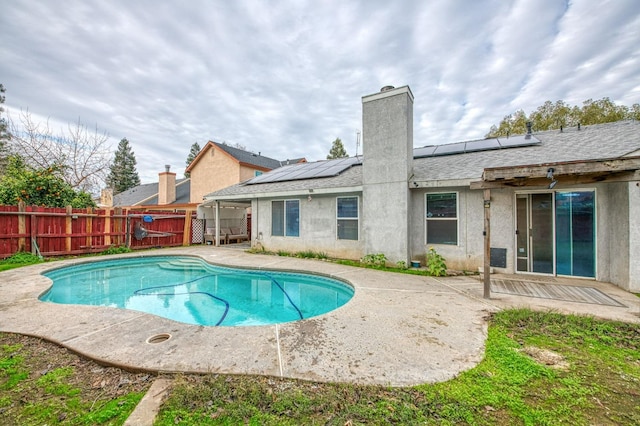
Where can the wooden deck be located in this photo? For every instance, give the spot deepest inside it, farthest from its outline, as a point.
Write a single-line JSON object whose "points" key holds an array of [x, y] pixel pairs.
{"points": [[570, 293]]}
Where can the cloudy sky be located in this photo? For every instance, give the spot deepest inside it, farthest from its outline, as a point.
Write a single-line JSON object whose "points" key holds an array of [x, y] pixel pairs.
{"points": [[285, 78]]}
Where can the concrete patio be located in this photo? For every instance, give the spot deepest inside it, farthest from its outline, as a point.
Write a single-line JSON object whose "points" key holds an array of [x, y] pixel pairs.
{"points": [[398, 329]]}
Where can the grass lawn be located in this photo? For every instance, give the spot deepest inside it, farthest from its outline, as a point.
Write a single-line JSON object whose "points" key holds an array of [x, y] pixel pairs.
{"points": [[539, 369]]}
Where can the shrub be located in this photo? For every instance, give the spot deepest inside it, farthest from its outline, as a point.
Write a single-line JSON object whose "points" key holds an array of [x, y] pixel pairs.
{"points": [[377, 260], [22, 258], [117, 250], [436, 265]]}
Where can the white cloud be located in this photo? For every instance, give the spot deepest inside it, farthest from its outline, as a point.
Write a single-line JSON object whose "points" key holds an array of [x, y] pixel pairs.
{"points": [[286, 78]]}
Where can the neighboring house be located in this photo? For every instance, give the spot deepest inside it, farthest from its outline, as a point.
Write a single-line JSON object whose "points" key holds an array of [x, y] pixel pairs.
{"points": [[563, 202], [218, 166], [168, 191]]}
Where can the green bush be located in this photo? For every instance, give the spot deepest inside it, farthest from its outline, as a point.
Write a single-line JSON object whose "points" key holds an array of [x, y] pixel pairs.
{"points": [[436, 265], [117, 250], [377, 260], [401, 264], [22, 258]]}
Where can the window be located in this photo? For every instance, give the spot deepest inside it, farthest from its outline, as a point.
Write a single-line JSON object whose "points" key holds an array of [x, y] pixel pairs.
{"points": [[442, 218], [347, 218], [257, 173], [285, 218]]}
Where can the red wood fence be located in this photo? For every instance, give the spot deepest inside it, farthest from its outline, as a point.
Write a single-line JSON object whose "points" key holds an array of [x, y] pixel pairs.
{"points": [[66, 231]]}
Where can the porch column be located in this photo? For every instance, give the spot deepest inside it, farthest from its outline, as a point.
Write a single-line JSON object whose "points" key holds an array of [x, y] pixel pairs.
{"points": [[217, 235], [487, 243]]}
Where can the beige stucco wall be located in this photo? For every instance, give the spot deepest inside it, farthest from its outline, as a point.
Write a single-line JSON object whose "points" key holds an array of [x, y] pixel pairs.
{"points": [[216, 170]]}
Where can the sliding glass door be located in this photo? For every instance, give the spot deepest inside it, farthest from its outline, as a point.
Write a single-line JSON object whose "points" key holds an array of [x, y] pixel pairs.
{"points": [[575, 234], [555, 233]]}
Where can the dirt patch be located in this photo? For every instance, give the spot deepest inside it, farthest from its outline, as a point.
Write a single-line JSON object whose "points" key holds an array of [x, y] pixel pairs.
{"points": [[95, 385], [546, 357]]}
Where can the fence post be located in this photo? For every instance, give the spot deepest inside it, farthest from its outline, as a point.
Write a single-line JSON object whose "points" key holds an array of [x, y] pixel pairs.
{"points": [[186, 236], [69, 230], [33, 233], [89, 228], [22, 225], [107, 226]]}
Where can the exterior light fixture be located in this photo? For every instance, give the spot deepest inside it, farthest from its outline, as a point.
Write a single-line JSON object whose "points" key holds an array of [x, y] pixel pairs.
{"points": [[550, 173], [554, 182]]}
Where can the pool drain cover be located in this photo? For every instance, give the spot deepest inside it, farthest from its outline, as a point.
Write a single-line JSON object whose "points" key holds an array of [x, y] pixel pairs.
{"points": [[159, 338]]}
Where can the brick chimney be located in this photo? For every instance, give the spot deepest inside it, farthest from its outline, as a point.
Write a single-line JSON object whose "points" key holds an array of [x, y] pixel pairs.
{"points": [[166, 186]]}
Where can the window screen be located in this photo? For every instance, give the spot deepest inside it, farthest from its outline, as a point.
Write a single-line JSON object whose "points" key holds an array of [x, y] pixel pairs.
{"points": [[442, 218], [347, 218]]}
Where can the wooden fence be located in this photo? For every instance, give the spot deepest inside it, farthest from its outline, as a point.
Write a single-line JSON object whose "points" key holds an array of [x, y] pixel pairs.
{"points": [[66, 231]]}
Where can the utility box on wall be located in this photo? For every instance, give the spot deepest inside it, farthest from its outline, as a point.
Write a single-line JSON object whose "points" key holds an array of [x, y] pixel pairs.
{"points": [[498, 257]]}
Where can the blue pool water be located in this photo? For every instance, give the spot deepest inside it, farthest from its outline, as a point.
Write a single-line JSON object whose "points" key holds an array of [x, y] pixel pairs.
{"points": [[190, 290]]}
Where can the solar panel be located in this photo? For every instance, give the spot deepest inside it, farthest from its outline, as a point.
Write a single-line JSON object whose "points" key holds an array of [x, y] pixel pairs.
{"points": [[452, 148], [301, 171], [482, 145], [425, 151], [474, 146]]}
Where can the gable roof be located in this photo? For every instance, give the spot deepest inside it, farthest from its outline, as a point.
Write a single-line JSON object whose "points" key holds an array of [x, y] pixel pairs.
{"points": [[600, 141], [147, 194], [243, 157]]}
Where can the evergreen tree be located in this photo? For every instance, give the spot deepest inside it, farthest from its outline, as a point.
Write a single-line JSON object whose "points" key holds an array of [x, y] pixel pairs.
{"points": [[337, 150], [193, 153], [123, 174], [4, 135]]}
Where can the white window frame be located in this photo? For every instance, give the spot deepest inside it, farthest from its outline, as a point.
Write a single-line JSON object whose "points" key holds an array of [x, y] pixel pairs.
{"points": [[356, 219], [284, 219], [457, 218]]}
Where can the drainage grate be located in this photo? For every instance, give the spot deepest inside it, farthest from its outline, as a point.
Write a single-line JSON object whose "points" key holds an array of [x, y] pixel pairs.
{"points": [[159, 338], [569, 293]]}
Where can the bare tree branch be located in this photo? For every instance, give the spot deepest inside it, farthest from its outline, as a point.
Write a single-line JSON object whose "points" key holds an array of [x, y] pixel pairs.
{"points": [[83, 154]]}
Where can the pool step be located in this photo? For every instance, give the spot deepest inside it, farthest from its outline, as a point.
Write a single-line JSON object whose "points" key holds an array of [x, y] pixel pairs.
{"points": [[182, 264]]}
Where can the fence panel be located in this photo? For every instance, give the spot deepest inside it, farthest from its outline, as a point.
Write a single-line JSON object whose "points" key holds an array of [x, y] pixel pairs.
{"points": [[156, 229], [66, 231]]}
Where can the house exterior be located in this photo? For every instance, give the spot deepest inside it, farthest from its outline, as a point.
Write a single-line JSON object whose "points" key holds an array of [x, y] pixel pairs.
{"points": [[218, 166], [563, 202], [166, 192]]}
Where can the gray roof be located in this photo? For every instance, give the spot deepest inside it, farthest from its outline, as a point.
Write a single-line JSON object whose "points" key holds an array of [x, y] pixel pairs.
{"points": [[600, 141], [593, 142], [252, 158], [149, 192]]}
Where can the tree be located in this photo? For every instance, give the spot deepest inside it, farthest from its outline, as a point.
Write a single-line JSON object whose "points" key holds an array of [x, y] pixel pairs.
{"points": [[193, 153], [337, 150], [550, 116], [81, 155], [123, 174], [39, 187], [512, 124], [4, 135]]}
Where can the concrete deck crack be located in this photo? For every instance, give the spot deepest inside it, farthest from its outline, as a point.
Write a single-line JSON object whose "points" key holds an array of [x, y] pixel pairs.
{"points": [[277, 329]]}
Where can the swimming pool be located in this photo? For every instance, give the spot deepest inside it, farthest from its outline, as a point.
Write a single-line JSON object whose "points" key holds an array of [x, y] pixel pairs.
{"points": [[190, 290]]}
